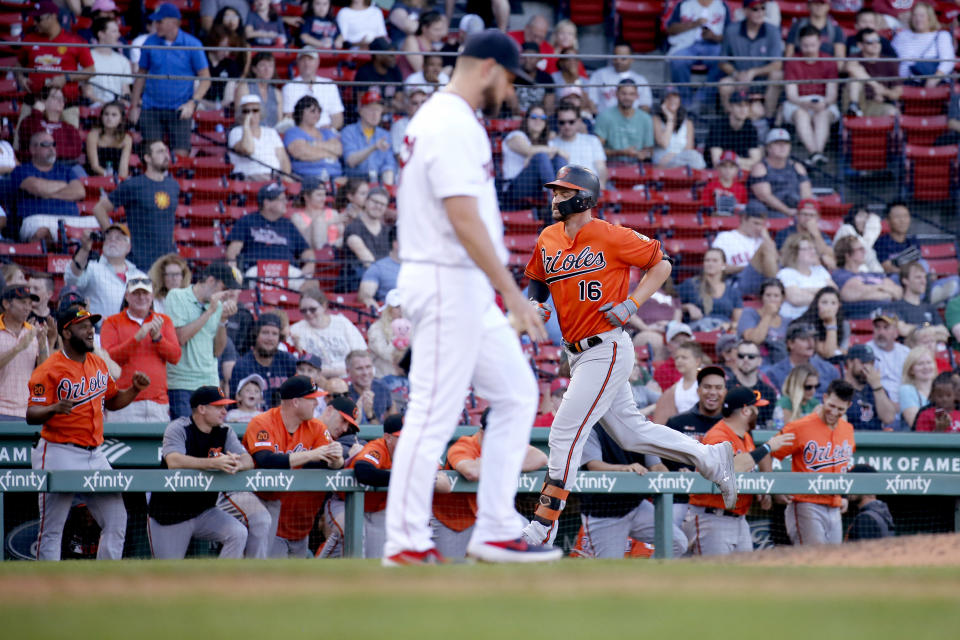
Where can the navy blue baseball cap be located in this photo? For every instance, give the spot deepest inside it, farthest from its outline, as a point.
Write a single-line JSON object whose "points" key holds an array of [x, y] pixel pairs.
{"points": [[166, 10], [493, 43]]}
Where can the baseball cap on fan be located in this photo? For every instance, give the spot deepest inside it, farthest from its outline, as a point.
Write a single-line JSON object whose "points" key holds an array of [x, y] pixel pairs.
{"points": [[740, 397], [45, 8], [728, 156], [495, 44], [18, 292], [166, 10]]}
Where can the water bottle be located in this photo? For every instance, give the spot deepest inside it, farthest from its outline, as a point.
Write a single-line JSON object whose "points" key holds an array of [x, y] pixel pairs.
{"points": [[109, 170], [778, 418], [325, 178], [372, 176]]}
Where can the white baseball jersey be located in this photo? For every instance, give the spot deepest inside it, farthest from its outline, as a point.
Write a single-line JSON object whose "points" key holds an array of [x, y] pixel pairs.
{"points": [[434, 169]]}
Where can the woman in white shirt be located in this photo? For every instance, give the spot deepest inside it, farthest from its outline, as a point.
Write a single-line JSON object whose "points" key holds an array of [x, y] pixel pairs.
{"points": [[328, 335], [682, 396], [360, 23], [673, 133], [922, 45], [802, 275], [528, 161]]}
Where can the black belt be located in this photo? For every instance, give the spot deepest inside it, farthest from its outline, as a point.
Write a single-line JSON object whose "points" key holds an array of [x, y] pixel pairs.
{"points": [[79, 446], [576, 347], [721, 512]]}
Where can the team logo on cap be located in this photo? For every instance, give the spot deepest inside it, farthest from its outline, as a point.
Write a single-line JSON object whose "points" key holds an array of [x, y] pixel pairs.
{"points": [[356, 414], [563, 172]]}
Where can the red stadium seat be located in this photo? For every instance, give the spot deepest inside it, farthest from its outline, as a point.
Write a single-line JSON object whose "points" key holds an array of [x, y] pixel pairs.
{"points": [[867, 142], [520, 221], [676, 178], [923, 130], [202, 255], [523, 244], [944, 266], [678, 202], [920, 101], [197, 236], [209, 120], [832, 206], [638, 221], [626, 176], [939, 250], [931, 171], [639, 23], [279, 298], [630, 200], [587, 12], [93, 184]]}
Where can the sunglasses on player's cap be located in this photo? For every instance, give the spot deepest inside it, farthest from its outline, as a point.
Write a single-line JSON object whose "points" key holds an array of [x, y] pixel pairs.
{"points": [[209, 395], [74, 315]]}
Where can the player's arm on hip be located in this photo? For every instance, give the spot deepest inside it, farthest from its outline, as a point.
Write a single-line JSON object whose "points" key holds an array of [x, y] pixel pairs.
{"points": [[652, 280]]}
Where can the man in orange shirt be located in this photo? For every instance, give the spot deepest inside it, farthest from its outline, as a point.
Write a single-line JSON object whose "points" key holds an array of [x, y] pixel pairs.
{"points": [[372, 467], [138, 336], [584, 264], [455, 513], [289, 437], [68, 393], [711, 528], [824, 444]]}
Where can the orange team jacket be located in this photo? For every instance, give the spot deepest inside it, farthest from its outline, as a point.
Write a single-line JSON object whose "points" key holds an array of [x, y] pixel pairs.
{"points": [[117, 337], [87, 384], [588, 271], [266, 432], [818, 448], [376, 453], [721, 432], [458, 511]]}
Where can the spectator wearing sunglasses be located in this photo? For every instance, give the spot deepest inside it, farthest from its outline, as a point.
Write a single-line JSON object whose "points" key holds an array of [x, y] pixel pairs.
{"points": [[529, 161], [871, 97], [799, 396], [746, 373], [256, 150], [140, 339]]}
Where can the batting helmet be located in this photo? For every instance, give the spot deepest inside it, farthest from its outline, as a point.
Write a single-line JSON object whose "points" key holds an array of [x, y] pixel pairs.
{"points": [[584, 181]]}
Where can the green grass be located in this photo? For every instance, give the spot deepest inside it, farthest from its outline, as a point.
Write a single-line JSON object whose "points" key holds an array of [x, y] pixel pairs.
{"points": [[573, 599]]}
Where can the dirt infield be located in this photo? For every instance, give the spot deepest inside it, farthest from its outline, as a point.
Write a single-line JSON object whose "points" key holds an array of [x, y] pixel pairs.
{"points": [[941, 550]]}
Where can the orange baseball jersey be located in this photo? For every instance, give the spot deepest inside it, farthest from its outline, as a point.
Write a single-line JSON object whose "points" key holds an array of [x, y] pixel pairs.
{"points": [[458, 511], [266, 432], [588, 271], [818, 448], [376, 453], [88, 385], [721, 432]]}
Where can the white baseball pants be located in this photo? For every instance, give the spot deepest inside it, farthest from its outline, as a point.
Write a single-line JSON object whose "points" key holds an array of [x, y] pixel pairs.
{"points": [[600, 391], [107, 508], [809, 523], [460, 337], [713, 535], [607, 537]]}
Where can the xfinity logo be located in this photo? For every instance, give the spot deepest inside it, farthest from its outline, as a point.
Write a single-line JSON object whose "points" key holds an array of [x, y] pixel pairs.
{"points": [[836, 484], [24, 480], [529, 484], [339, 481], [595, 483], [107, 481], [262, 482], [176, 481], [758, 484], [680, 483], [897, 484]]}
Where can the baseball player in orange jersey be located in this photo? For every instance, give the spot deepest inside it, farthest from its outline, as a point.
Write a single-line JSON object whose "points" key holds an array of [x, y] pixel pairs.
{"points": [[289, 437], [824, 444], [452, 254], [455, 513], [371, 466], [711, 528], [584, 264], [68, 393]]}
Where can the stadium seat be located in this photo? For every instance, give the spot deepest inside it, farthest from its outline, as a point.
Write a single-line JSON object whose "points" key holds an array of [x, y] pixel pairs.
{"points": [[944, 266], [638, 23], [931, 172], [202, 190], [207, 166], [197, 236], [209, 120], [638, 221], [861, 326], [587, 12], [524, 244], [626, 176], [93, 184], [685, 223], [920, 101], [833, 206], [202, 255], [279, 298], [922, 130], [200, 214], [678, 202], [866, 142], [673, 179], [520, 221], [630, 200], [939, 250], [721, 223]]}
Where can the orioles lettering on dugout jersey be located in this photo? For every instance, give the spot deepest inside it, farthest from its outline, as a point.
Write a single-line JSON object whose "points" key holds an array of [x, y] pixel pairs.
{"points": [[585, 272]]}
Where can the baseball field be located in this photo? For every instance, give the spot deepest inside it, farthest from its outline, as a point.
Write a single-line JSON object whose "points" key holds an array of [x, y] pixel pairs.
{"points": [[772, 595]]}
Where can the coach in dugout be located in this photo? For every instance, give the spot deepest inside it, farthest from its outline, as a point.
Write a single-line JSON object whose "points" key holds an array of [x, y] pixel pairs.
{"points": [[68, 394]]}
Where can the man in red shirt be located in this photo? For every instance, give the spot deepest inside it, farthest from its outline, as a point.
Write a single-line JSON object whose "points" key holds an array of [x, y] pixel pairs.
{"points": [[811, 107], [140, 338], [56, 61], [536, 31]]}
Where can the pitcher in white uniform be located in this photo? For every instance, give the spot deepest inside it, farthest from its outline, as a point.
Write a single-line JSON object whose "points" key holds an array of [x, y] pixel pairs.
{"points": [[452, 253]]}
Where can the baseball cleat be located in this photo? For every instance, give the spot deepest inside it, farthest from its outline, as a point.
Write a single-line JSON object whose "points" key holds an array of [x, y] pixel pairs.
{"points": [[724, 477], [413, 558], [517, 550]]}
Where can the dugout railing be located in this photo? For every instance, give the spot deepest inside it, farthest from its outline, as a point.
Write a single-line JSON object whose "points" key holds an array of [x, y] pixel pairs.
{"points": [[661, 486]]}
